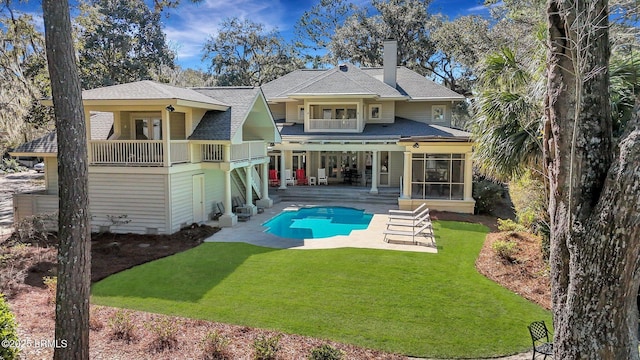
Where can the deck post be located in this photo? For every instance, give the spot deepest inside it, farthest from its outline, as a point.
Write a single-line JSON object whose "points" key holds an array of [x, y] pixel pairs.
{"points": [[265, 202], [374, 172], [283, 183], [406, 180], [228, 219], [248, 176]]}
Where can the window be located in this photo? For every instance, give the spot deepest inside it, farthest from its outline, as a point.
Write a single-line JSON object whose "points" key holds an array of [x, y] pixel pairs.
{"points": [[340, 114], [437, 113], [147, 128], [351, 113], [437, 176], [375, 111], [326, 114]]}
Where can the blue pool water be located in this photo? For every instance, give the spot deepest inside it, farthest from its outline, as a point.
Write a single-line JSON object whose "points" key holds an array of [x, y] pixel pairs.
{"points": [[318, 222]]}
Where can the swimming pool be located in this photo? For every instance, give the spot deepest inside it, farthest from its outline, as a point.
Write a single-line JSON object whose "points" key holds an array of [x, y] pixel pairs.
{"points": [[318, 222]]}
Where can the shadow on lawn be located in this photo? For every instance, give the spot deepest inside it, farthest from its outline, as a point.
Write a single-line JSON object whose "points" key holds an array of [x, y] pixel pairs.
{"points": [[184, 277]]}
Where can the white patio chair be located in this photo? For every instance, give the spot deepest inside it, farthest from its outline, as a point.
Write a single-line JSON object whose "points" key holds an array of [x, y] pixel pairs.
{"points": [[322, 177], [289, 180]]}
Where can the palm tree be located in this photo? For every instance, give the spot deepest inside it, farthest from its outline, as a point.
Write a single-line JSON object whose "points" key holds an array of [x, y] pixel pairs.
{"points": [[509, 111]]}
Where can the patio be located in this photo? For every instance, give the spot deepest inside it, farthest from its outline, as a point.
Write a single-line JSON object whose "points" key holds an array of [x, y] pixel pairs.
{"points": [[253, 232]]}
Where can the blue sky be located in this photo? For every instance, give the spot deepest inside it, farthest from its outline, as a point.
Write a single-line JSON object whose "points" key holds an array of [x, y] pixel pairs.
{"points": [[188, 27]]}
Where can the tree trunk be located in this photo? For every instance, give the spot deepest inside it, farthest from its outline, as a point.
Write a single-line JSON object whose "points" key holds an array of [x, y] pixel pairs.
{"points": [[72, 299], [594, 192]]}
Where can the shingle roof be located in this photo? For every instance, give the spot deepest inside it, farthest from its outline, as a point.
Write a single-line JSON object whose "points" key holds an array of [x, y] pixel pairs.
{"points": [[357, 81], [401, 128], [416, 86], [345, 79], [223, 125], [147, 90], [101, 128], [101, 125]]}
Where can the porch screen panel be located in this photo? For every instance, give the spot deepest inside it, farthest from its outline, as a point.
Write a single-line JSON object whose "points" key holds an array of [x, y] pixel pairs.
{"points": [[437, 176]]}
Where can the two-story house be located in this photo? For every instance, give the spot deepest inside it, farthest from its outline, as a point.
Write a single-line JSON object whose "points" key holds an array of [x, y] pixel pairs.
{"points": [[389, 126], [164, 156]]}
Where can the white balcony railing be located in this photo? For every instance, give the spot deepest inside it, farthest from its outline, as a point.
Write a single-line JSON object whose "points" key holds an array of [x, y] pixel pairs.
{"points": [[179, 151], [212, 152], [126, 152], [151, 152], [333, 124], [239, 152]]}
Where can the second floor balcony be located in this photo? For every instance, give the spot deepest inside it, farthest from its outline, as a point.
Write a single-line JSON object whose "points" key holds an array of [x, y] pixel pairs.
{"points": [[146, 153]]}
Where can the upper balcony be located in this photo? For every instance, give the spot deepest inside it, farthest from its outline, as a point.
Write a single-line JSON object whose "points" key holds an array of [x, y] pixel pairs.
{"points": [[152, 152]]}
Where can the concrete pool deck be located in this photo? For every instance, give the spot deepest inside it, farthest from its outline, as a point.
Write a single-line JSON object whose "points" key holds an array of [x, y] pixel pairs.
{"points": [[372, 237]]}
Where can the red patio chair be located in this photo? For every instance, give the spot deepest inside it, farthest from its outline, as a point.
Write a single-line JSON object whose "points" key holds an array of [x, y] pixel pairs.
{"points": [[273, 178], [301, 177]]}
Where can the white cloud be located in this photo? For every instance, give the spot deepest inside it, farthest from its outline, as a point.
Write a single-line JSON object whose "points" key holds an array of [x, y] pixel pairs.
{"points": [[481, 8], [190, 25]]}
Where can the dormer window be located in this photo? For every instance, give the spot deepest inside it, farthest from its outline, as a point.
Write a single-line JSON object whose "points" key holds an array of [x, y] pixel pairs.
{"points": [[375, 111], [437, 113]]}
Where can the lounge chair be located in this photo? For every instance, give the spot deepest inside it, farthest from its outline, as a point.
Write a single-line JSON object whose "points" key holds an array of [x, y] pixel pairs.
{"points": [[242, 212], [425, 230], [322, 177], [218, 210], [414, 212], [407, 220]]}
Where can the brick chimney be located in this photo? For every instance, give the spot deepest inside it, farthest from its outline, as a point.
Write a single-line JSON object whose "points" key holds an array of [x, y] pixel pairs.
{"points": [[390, 61]]}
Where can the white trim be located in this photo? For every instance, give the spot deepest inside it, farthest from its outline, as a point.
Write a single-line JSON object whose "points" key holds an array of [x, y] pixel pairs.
{"points": [[370, 113], [438, 113]]}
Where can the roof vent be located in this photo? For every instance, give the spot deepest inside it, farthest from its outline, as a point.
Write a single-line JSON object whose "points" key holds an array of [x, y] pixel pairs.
{"points": [[343, 67]]}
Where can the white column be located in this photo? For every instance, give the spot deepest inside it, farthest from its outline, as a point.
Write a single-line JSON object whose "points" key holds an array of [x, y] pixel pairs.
{"points": [[248, 189], [283, 184], [166, 115], [265, 202], [265, 181], [374, 172], [406, 180], [228, 219], [468, 177]]}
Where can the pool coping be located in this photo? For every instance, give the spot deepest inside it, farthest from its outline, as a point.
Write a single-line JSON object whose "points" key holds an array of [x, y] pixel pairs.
{"points": [[253, 232]]}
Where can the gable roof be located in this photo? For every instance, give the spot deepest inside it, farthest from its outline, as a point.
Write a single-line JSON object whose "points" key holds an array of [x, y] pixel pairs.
{"points": [[401, 129], [148, 90], [101, 128], [349, 79], [416, 86], [223, 125]]}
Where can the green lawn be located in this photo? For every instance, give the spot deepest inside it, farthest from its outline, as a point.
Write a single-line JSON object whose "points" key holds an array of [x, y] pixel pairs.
{"points": [[428, 305]]}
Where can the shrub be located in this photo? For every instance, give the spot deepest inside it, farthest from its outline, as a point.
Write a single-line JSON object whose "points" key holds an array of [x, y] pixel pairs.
{"points": [[326, 352], [266, 348], [51, 282], [121, 326], [487, 195], [94, 321], [214, 346], [10, 165], [530, 200], [37, 230], [505, 249], [165, 334], [7, 332], [510, 225]]}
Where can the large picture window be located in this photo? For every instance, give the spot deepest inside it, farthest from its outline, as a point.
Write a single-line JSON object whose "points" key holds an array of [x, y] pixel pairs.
{"points": [[437, 176]]}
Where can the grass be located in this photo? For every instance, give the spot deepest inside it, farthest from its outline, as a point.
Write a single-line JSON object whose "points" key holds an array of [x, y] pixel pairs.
{"points": [[428, 305]]}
